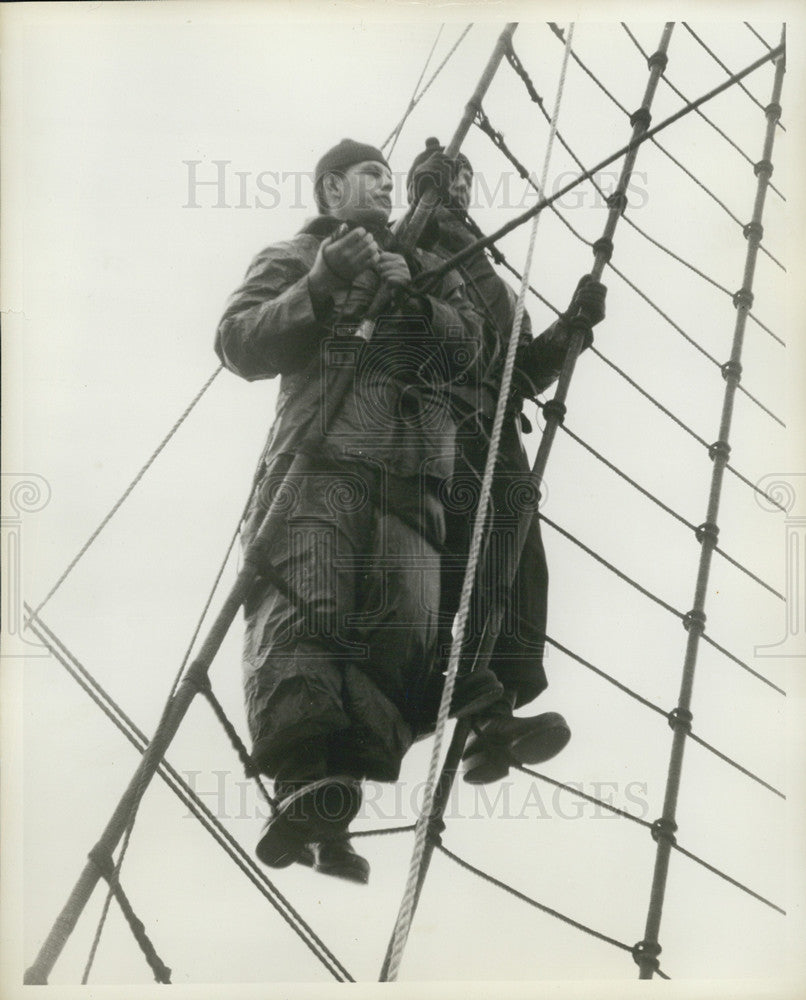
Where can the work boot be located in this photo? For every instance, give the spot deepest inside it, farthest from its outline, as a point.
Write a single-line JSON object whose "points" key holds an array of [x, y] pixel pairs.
{"points": [[319, 810], [503, 740], [336, 857], [472, 694]]}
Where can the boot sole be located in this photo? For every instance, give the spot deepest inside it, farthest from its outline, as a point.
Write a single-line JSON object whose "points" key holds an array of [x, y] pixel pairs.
{"points": [[319, 811]]}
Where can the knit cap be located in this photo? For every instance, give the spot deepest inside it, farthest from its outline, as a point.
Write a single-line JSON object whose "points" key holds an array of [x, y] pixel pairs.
{"points": [[433, 145], [346, 154]]}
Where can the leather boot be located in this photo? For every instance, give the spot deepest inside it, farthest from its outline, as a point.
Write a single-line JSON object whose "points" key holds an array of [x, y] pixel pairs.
{"points": [[319, 810], [336, 857], [502, 740]]}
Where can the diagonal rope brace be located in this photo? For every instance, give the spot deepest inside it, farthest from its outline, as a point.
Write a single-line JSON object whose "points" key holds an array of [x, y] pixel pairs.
{"points": [[103, 862], [188, 797]]}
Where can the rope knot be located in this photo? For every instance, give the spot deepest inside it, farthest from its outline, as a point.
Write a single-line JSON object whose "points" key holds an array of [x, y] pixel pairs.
{"points": [[641, 118], [707, 531], [102, 860], [658, 58], [680, 718], [436, 827], [664, 829], [719, 449], [603, 247], [617, 200], [754, 231], [773, 111], [645, 953], [743, 298], [763, 167], [556, 408], [694, 621], [197, 677], [731, 369]]}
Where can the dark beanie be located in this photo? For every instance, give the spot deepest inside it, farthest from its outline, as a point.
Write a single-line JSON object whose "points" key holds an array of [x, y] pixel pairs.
{"points": [[346, 154], [433, 145]]}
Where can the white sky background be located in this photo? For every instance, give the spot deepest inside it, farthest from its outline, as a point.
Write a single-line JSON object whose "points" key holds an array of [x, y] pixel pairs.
{"points": [[114, 288]]}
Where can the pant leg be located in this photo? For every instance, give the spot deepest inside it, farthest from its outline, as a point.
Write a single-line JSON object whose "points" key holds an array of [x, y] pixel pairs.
{"points": [[322, 674]]}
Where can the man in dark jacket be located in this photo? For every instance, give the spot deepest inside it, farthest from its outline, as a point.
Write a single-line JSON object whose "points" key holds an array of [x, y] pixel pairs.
{"points": [[336, 663], [517, 656]]}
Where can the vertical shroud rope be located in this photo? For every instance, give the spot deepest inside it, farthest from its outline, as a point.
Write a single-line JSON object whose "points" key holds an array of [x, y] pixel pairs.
{"points": [[649, 949], [406, 912]]}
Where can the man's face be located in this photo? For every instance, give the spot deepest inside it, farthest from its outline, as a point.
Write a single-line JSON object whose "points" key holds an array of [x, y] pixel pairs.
{"points": [[362, 195], [461, 187]]}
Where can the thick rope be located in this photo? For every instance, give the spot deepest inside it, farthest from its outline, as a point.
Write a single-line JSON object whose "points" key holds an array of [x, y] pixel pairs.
{"points": [[127, 836], [403, 923], [162, 974], [192, 801], [183, 416]]}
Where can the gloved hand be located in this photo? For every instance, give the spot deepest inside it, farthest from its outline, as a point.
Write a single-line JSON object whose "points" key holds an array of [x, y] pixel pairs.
{"points": [[341, 258], [436, 173], [588, 299]]}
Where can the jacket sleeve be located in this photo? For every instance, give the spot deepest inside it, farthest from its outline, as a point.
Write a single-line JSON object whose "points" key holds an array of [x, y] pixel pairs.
{"points": [[270, 325], [541, 361], [454, 321]]}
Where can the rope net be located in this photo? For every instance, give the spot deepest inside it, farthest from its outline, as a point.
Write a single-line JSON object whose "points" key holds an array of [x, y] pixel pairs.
{"points": [[626, 361]]}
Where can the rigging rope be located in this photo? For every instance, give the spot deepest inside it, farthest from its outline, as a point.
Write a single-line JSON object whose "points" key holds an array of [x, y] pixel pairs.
{"points": [[558, 33], [683, 97], [189, 798], [406, 913], [625, 689], [533, 902], [183, 416], [657, 600], [763, 41], [395, 133], [130, 825], [649, 826], [114, 885], [500, 258], [484, 124], [664, 507], [696, 617], [495, 136], [722, 65]]}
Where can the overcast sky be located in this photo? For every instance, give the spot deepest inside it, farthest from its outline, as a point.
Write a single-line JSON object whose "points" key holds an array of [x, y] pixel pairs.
{"points": [[150, 151]]}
